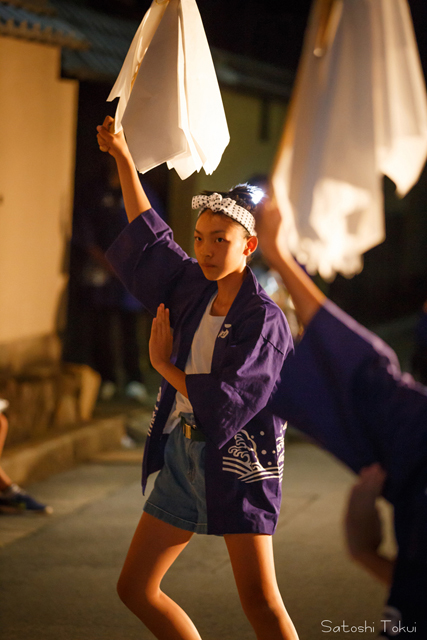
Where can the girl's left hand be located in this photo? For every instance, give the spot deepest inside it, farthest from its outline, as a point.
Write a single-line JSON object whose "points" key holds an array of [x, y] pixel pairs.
{"points": [[160, 345], [113, 143]]}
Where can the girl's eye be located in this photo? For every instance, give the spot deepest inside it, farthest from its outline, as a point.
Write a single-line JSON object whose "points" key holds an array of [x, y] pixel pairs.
{"points": [[197, 238], [220, 239]]}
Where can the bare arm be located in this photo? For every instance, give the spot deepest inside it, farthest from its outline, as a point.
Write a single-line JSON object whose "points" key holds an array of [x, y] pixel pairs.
{"points": [[306, 296], [134, 196], [363, 527], [378, 566]]}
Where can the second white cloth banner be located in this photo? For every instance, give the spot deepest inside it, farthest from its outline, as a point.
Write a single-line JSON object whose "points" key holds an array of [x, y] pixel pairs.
{"points": [[359, 110]]}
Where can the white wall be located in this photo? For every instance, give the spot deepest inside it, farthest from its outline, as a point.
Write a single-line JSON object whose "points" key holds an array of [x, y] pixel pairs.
{"points": [[38, 113]]}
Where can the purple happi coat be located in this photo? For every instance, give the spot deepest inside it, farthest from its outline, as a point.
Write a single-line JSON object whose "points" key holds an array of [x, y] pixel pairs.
{"points": [[245, 440]]}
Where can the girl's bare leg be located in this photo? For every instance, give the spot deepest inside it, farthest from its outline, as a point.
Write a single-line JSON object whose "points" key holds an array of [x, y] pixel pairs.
{"points": [[252, 561], [5, 481], [154, 548]]}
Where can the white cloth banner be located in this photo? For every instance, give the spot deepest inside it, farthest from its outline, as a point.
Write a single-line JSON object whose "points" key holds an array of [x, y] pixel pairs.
{"points": [[358, 111], [174, 113]]}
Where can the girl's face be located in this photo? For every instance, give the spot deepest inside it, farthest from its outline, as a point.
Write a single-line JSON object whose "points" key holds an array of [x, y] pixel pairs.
{"points": [[221, 246]]}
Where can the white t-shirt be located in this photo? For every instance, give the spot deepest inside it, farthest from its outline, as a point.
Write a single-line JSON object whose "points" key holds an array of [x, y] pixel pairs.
{"points": [[199, 360]]}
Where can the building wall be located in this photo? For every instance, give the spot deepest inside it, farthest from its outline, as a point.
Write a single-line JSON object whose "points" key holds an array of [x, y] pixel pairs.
{"points": [[255, 129], [38, 113]]}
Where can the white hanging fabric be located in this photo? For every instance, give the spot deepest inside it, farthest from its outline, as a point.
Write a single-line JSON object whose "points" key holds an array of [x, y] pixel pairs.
{"points": [[174, 112], [358, 111]]}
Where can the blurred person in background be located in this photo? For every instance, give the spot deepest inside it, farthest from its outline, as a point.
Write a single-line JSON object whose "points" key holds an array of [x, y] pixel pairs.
{"points": [[103, 318], [13, 499]]}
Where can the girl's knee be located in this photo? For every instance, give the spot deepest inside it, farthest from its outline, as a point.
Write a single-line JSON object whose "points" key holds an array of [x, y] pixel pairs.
{"points": [[257, 603], [128, 590], [134, 593], [123, 589]]}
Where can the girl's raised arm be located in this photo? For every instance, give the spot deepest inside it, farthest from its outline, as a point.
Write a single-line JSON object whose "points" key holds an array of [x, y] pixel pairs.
{"points": [[134, 196], [306, 296]]}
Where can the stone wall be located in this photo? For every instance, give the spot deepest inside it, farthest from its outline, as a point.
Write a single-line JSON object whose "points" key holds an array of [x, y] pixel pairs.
{"points": [[46, 396]]}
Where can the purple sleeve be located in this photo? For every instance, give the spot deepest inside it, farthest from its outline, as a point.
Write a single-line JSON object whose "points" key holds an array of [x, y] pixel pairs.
{"points": [[147, 260], [344, 388], [225, 400]]}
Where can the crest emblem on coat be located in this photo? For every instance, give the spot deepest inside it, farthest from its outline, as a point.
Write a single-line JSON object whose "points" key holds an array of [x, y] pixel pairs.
{"points": [[224, 333], [251, 465]]}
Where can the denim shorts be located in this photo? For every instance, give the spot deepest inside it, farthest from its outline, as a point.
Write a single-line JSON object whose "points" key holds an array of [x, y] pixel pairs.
{"points": [[179, 494]]}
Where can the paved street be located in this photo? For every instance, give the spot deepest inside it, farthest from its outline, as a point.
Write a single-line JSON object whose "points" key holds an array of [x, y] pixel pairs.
{"points": [[58, 573]]}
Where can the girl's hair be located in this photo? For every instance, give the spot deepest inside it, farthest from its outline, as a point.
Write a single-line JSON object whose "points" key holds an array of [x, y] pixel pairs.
{"points": [[245, 196]]}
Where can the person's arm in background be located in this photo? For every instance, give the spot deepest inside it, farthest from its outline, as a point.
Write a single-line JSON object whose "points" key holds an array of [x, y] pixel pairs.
{"points": [[306, 296], [362, 524], [135, 199]]}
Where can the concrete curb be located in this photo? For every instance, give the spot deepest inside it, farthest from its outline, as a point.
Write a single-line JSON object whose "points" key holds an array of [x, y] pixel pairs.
{"points": [[38, 460]]}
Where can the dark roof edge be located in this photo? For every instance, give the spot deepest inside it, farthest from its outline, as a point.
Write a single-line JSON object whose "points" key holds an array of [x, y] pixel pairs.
{"points": [[45, 36], [42, 7]]}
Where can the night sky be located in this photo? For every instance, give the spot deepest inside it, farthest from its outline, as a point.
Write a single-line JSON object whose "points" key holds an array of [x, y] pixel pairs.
{"points": [[268, 30]]}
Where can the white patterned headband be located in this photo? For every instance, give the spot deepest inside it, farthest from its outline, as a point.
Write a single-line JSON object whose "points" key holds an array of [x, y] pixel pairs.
{"points": [[229, 207]]}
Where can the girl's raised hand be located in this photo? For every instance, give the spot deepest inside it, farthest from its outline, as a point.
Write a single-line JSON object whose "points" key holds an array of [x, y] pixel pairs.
{"points": [[112, 143], [160, 345]]}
